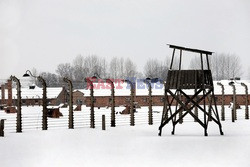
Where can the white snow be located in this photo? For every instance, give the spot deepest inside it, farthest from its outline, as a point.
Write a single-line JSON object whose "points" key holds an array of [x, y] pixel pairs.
{"points": [[35, 93], [123, 145]]}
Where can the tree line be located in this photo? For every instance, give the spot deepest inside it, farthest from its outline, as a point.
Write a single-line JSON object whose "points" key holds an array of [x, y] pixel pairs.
{"points": [[223, 66]]}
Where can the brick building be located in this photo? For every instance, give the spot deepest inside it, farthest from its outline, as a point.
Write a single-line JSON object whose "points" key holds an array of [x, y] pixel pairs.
{"points": [[122, 96], [32, 95], [56, 96], [78, 97]]}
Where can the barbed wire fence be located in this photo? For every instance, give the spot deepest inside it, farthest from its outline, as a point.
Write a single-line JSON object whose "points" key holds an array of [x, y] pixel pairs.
{"points": [[32, 116]]}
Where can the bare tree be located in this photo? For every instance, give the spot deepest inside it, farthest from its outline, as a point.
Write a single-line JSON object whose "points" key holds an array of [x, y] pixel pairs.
{"points": [[151, 68], [121, 67], [78, 72], [93, 64], [195, 63], [157, 69], [248, 73], [51, 79], [130, 68], [78, 68], [113, 68], [223, 66], [34, 72], [164, 68], [117, 68], [226, 66], [236, 68], [104, 67], [65, 70]]}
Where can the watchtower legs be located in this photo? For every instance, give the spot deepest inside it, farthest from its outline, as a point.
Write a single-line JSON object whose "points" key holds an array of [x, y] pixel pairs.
{"points": [[216, 114], [187, 105]]}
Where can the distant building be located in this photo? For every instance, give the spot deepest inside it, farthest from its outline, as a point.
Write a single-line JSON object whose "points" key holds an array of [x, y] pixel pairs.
{"points": [[78, 97], [32, 95], [122, 96]]}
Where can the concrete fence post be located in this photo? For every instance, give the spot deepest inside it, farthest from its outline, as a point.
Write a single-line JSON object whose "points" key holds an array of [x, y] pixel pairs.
{"points": [[150, 112], [44, 104], [44, 99], [19, 108], [132, 92], [92, 101], [71, 114], [112, 102], [246, 101], [234, 102], [222, 101]]}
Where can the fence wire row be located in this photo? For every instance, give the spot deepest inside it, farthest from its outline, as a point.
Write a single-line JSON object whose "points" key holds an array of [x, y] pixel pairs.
{"points": [[32, 118]]}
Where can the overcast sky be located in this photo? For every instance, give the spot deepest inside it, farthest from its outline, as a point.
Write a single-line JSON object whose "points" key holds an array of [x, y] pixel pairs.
{"points": [[44, 33]]}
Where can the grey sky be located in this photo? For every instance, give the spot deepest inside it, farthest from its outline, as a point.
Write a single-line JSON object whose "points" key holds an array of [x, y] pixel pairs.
{"points": [[44, 33]]}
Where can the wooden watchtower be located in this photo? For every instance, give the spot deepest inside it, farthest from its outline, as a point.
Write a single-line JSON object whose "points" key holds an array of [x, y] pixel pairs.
{"points": [[203, 98]]}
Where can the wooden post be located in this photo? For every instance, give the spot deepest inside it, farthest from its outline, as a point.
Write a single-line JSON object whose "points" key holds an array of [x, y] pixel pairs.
{"points": [[2, 128], [19, 112], [165, 104], [222, 101], [103, 122], [172, 60], [210, 108], [181, 112], [71, 114], [246, 101], [196, 108]]}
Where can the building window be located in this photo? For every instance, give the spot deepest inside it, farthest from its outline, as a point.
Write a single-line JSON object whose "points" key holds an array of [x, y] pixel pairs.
{"points": [[78, 101]]}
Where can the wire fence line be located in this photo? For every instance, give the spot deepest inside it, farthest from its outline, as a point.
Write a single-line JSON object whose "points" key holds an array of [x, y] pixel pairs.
{"points": [[32, 118]]}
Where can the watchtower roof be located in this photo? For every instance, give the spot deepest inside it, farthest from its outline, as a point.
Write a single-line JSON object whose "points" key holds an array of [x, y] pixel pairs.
{"points": [[190, 49]]}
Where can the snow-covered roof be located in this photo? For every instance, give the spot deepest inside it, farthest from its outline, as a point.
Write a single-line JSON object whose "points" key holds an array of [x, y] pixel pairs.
{"points": [[158, 89], [123, 89], [35, 93]]}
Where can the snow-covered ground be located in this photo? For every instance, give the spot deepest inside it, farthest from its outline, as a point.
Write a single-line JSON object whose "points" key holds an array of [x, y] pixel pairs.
{"points": [[122, 145]]}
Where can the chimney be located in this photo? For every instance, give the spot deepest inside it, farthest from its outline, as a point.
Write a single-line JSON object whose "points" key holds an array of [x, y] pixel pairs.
{"points": [[9, 87], [3, 93]]}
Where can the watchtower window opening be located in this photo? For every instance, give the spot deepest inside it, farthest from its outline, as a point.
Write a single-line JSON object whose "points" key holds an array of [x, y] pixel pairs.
{"points": [[193, 58]]}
